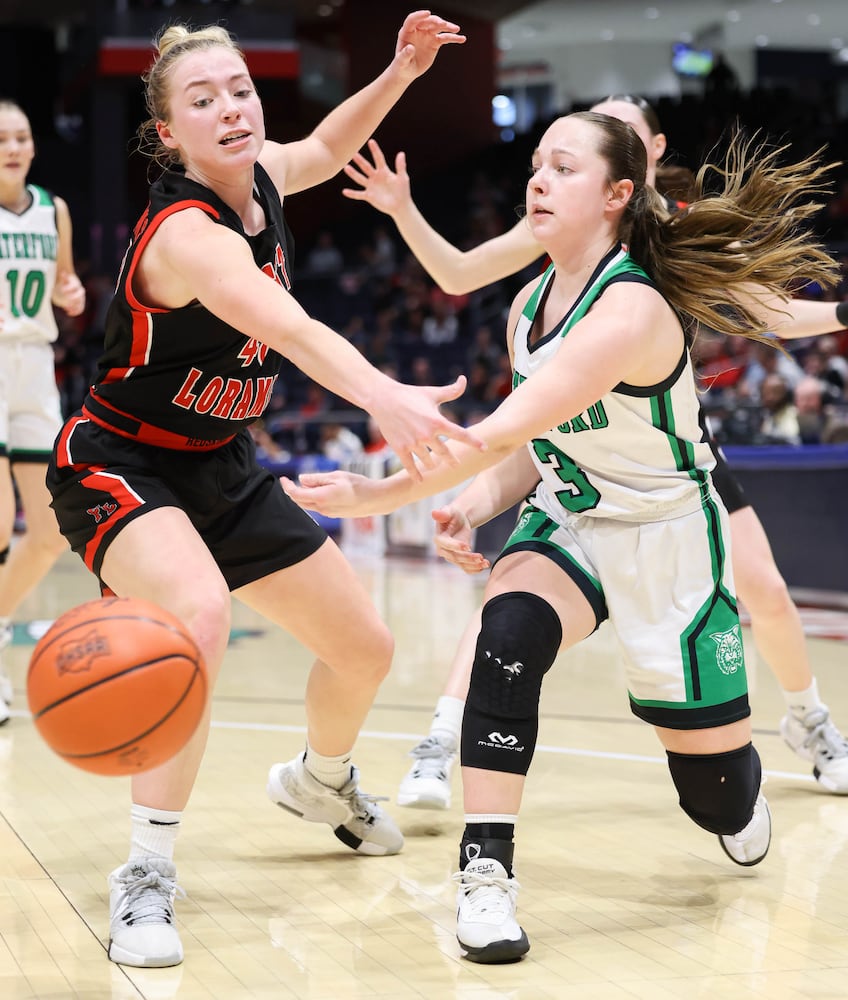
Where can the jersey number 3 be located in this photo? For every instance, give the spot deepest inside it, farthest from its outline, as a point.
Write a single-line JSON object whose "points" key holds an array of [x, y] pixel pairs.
{"points": [[579, 494]]}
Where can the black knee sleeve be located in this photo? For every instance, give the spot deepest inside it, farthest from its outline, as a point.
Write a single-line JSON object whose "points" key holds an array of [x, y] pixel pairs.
{"points": [[717, 790], [519, 639]]}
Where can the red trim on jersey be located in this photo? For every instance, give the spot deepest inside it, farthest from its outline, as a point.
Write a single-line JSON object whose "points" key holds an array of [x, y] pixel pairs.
{"points": [[63, 451], [127, 503], [151, 434], [178, 206], [142, 332]]}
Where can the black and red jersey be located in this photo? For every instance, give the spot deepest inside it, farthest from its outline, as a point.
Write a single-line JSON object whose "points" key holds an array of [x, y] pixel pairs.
{"points": [[182, 378]]}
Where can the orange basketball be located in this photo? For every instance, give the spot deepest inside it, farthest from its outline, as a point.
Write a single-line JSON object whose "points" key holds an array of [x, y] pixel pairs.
{"points": [[116, 686]]}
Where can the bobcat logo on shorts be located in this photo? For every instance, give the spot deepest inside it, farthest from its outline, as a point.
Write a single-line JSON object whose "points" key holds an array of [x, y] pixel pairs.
{"points": [[729, 656]]}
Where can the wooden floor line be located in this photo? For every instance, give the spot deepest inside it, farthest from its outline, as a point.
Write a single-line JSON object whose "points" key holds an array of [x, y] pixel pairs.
{"points": [[374, 734]]}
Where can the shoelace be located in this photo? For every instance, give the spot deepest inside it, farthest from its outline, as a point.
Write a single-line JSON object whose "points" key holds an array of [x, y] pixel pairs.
{"points": [[362, 804], [487, 892], [823, 731], [431, 758], [147, 899]]}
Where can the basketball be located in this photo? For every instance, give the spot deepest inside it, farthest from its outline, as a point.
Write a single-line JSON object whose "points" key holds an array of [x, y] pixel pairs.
{"points": [[116, 686]]}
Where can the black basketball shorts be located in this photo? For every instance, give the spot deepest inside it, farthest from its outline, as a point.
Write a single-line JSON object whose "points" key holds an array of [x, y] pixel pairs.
{"points": [[100, 482], [727, 485]]}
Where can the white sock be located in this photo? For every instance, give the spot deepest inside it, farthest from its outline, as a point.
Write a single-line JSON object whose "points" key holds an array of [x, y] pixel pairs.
{"points": [[447, 721], [800, 703], [331, 771], [154, 832], [505, 818]]}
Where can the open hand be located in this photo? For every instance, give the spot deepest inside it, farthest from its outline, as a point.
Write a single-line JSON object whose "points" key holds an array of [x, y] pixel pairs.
{"points": [[385, 189], [414, 427], [333, 494], [453, 540], [421, 36]]}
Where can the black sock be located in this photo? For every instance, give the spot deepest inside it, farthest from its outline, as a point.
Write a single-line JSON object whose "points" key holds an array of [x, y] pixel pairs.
{"points": [[488, 840]]}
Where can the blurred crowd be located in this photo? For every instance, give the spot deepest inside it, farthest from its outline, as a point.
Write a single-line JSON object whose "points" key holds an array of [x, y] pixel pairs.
{"points": [[361, 280]]}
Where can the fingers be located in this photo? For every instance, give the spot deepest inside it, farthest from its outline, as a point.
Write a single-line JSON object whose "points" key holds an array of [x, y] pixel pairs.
{"points": [[462, 556], [377, 153], [360, 171], [453, 390], [464, 436], [407, 460]]}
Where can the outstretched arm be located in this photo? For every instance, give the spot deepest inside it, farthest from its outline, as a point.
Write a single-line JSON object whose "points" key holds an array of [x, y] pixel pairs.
{"points": [[295, 166], [455, 271], [192, 258], [609, 345], [792, 319], [810, 319]]}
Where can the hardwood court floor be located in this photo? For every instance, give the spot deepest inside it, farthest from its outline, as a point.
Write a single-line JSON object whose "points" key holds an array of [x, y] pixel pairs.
{"points": [[622, 896]]}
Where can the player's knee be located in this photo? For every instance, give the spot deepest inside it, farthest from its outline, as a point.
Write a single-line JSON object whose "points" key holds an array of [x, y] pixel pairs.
{"points": [[520, 636], [381, 648], [718, 791], [208, 617], [765, 594], [364, 655]]}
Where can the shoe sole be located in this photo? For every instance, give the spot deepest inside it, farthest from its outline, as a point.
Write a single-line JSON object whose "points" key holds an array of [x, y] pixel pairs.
{"points": [[121, 957], [756, 861], [497, 952], [828, 784], [423, 802]]}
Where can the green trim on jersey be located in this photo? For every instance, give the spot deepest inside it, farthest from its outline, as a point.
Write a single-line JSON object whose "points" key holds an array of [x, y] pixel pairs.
{"points": [[662, 413], [41, 196], [530, 306], [533, 532]]}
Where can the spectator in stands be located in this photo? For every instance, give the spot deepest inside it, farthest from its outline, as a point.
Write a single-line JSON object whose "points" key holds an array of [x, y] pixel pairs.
{"points": [[324, 259], [811, 409], [267, 449], [835, 363], [384, 257], [441, 326], [780, 418], [339, 443], [765, 361], [717, 368]]}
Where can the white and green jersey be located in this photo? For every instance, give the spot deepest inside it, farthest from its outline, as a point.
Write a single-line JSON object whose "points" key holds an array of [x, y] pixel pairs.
{"points": [[637, 454], [28, 249]]}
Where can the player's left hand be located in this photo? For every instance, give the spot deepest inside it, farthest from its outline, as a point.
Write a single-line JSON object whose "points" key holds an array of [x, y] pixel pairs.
{"points": [[453, 540], [421, 36]]}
